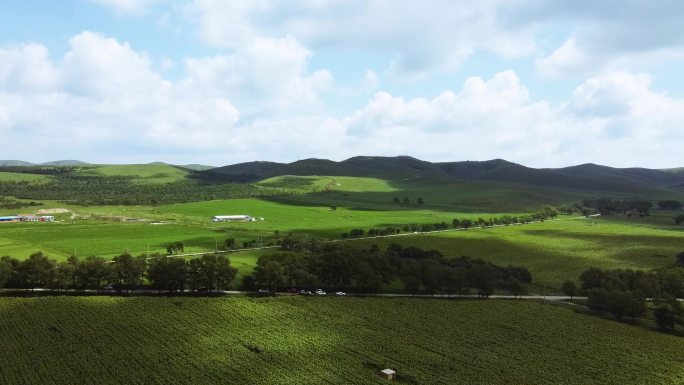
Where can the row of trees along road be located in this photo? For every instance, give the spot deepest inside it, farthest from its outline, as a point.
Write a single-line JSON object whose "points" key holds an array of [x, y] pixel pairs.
{"points": [[124, 272], [343, 267], [506, 220], [623, 293]]}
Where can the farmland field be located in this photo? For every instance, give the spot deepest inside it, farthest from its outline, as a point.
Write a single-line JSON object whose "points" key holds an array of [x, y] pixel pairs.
{"points": [[297, 340], [553, 251], [557, 250]]}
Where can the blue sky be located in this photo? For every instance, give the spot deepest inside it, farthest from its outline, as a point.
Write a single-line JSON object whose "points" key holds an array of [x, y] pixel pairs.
{"points": [[545, 84]]}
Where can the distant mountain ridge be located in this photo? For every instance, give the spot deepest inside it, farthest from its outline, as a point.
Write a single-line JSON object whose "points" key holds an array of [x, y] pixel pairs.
{"points": [[69, 163], [54, 163], [585, 176]]}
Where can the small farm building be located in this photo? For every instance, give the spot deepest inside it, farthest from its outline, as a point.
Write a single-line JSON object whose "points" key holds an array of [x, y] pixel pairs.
{"points": [[228, 218], [27, 218], [36, 218], [388, 374]]}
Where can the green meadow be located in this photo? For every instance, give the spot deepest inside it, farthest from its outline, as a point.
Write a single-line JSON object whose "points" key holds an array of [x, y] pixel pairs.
{"points": [[146, 173], [561, 249], [553, 251], [19, 177]]}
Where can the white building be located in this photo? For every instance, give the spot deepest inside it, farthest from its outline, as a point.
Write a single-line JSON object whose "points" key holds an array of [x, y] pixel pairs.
{"points": [[232, 218], [36, 218]]}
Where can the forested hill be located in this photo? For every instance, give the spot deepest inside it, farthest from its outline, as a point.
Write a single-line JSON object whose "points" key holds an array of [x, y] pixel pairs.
{"points": [[586, 176]]}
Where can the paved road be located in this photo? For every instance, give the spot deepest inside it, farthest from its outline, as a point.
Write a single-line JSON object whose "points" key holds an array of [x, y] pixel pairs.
{"points": [[245, 292]]}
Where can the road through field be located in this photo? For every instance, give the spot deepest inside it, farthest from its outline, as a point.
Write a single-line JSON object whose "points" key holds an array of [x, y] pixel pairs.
{"points": [[415, 233]]}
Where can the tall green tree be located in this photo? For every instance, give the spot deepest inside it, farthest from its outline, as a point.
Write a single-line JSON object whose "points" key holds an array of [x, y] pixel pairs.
{"points": [[128, 271], [36, 270], [569, 288], [668, 313], [94, 272], [269, 273], [6, 273]]}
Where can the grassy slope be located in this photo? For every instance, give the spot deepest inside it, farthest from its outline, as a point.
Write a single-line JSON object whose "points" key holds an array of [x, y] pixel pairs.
{"points": [[323, 340], [558, 250], [18, 177], [149, 173]]}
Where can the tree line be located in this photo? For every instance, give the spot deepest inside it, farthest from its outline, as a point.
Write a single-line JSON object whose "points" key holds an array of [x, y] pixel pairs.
{"points": [[623, 293], [210, 272], [506, 220], [343, 267], [605, 206]]}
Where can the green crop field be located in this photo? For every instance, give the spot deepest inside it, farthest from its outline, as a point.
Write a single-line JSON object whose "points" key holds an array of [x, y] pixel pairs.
{"points": [[553, 251], [298, 340]]}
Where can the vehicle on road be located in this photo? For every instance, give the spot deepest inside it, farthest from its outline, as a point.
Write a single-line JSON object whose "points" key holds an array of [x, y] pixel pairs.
{"points": [[305, 292], [320, 292], [340, 293], [264, 292]]}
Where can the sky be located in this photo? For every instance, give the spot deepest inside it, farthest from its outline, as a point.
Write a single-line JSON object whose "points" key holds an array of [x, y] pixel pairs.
{"points": [[537, 82]]}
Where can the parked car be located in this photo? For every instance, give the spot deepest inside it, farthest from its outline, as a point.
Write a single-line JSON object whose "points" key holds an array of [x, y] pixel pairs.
{"points": [[293, 291], [340, 293], [264, 292], [320, 292], [305, 292]]}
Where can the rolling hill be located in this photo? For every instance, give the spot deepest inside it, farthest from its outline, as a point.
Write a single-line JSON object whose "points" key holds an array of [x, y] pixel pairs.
{"points": [[54, 163], [582, 177], [14, 163]]}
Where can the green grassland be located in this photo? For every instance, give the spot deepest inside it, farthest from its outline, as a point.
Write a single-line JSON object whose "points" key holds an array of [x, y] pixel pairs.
{"points": [[553, 251], [19, 177], [561, 249], [438, 194], [299, 340], [147, 173]]}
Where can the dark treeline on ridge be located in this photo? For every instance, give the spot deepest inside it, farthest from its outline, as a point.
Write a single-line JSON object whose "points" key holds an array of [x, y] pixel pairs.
{"points": [[125, 190], [629, 207]]}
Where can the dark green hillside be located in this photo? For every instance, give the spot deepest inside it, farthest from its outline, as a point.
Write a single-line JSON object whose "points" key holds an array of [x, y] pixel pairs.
{"points": [[627, 175], [473, 169], [245, 172], [398, 166], [589, 177]]}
